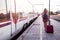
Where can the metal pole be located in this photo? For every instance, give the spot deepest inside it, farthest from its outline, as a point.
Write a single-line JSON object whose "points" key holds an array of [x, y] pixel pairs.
{"points": [[6, 6], [49, 12], [11, 17], [15, 11], [11, 21], [15, 5]]}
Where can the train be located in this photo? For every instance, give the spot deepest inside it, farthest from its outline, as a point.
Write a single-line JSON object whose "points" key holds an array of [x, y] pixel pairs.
{"points": [[8, 29]]}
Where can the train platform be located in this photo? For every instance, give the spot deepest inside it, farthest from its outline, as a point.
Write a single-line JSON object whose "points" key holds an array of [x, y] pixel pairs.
{"points": [[36, 31]]}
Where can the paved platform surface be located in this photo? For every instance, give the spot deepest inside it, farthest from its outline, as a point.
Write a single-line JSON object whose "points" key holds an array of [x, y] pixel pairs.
{"points": [[55, 35], [36, 31]]}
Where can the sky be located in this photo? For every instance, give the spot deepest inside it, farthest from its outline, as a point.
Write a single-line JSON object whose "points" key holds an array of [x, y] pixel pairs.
{"points": [[29, 5]]}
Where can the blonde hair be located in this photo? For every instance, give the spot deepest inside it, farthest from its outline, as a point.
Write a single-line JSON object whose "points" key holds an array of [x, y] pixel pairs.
{"points": [[45, 10]]}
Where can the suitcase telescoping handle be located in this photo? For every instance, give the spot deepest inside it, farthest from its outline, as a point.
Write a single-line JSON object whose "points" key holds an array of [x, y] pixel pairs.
{"points": [[49, 12]]}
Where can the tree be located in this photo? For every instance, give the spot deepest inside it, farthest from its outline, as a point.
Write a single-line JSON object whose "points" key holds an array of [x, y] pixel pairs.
{"points": [[2, 16]]}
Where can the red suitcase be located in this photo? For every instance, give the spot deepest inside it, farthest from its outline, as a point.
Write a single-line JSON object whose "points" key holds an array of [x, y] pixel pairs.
{"points": [[49, 29]]}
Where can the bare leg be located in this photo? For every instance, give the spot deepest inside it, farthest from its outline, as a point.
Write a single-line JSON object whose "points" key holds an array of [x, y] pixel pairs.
{"points": [[45, 25]]}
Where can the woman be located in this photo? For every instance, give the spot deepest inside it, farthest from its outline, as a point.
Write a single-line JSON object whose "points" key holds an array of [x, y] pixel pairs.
{"points": [[45, 17]]}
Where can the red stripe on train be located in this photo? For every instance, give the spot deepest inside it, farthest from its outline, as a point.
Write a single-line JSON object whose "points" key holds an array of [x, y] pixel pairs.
{"points": [[5, 24]]}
